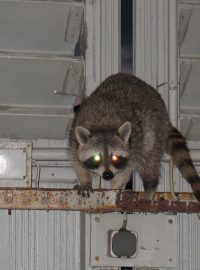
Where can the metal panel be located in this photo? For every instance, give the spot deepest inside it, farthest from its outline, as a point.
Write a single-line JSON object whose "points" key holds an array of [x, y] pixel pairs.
{"points": [[190, 127], [54, 28], [33, 126], [190, 46], [189, 87], [188, 240], [189, 99], [12, 164], [190, 1], [28, 83], [152, 59], [15, 164], [152, 44], [154, 248], [103, 41], [188, 232], [29, 105], [39, 240]]}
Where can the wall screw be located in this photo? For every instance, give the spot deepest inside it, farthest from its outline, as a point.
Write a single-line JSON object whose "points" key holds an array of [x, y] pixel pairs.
{"points": [[170, 221], [97, 219]]}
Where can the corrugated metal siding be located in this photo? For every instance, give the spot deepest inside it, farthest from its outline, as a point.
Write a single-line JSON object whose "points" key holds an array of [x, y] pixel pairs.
{"points": [[152, 43], [39, 240], [103, 40], [152, 66], [152, 57]]}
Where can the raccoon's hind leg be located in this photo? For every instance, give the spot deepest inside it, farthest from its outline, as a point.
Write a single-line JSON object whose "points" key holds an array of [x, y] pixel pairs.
{"points": [[149, 171], [85, 187], [176, 146], [150, 184]]}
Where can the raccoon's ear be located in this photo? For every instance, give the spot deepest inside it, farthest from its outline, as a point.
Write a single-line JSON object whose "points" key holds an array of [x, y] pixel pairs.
{"points": [[125, 131], [82, 135]]}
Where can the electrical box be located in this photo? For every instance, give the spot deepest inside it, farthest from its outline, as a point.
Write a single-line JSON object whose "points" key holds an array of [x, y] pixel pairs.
{"points": [[15, 164], [153, 238], [122, 243]]}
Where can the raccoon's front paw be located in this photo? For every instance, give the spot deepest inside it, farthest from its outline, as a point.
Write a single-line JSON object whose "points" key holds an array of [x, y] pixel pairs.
{"points": [[84, 190]]}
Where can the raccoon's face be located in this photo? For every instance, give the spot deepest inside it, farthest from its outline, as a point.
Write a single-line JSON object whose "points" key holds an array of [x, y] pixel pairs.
{"points": [[105, 153]]}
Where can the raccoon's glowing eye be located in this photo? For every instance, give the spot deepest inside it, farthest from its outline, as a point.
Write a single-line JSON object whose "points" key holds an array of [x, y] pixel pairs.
{"points": [[97, 157], [118, 161], [93, 162], [115, 157]]}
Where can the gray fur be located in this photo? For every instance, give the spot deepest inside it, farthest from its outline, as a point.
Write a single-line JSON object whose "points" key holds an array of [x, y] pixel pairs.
{"points": [[121, 99]]}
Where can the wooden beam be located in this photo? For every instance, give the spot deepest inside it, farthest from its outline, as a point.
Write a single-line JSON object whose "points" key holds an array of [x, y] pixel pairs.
{"points": [[100, 201]]}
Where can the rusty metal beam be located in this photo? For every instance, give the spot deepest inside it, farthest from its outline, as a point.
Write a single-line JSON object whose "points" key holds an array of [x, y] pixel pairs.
{"points": [[163, 202], [100, 201]]}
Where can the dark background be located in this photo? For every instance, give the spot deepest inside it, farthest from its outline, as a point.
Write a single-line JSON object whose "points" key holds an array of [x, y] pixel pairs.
{"points": [[127, 36]]}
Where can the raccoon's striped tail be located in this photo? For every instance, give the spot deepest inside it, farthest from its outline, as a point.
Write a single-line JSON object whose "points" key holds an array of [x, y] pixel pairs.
{"points": [[176, 146]]}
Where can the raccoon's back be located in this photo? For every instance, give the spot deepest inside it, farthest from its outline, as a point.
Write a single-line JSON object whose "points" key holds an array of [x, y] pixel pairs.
{"points": [[120, 98]]}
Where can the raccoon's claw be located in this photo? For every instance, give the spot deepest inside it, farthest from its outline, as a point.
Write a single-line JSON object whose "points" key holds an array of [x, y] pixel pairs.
{"points": [[83, 190]]}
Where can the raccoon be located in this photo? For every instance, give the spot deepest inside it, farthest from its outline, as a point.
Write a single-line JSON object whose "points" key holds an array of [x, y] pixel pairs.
{"points": [[124, 126]]}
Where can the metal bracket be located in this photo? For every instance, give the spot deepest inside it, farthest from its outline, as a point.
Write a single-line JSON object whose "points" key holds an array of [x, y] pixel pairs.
{"points": [[100, 201]]}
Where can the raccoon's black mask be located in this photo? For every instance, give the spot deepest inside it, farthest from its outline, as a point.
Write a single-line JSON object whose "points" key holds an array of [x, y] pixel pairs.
{"points": [[104, 153]]}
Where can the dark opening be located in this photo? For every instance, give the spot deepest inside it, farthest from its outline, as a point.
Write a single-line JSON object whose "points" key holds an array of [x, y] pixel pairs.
{"points": [[127, 52], [127, 45], [127, 36]]}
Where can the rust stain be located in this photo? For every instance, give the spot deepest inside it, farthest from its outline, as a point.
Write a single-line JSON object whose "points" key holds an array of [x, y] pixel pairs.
{"points": [[101, 201], [163, 202]]}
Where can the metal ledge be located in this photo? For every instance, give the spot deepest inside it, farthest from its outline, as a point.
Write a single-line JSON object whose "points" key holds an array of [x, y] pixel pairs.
{"points": [[101, 201]]}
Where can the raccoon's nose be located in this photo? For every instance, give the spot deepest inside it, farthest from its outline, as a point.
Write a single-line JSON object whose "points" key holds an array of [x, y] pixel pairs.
{"points": [[108, 175]]}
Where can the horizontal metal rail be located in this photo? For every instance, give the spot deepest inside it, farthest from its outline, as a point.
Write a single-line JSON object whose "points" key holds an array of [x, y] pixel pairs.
{"points": [[100, 201]]}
